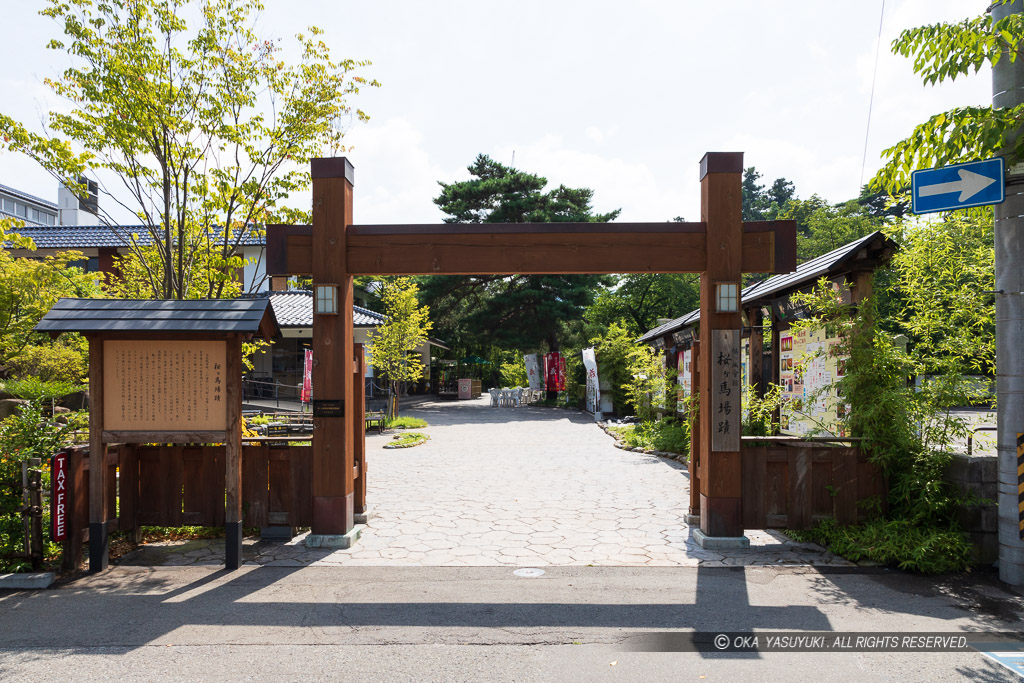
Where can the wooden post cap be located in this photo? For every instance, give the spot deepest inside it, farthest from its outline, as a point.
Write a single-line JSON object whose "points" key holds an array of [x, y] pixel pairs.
{"points": [[333, 167], [719, 162]]}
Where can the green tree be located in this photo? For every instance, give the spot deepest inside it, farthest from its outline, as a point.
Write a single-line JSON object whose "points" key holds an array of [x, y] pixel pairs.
{"points": [[945, 51], [517, 311], [638, 300], [760, 204], [945, 273], [393, 344], [823, 227], [202, 129], [29, 287]]}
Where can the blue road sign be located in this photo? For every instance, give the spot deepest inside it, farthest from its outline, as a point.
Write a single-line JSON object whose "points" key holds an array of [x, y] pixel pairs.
{"points": [[960, 186]]}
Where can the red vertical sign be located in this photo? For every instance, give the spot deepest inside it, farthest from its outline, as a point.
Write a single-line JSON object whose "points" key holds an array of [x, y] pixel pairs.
{"points": [[307, 377], [59, 499]]}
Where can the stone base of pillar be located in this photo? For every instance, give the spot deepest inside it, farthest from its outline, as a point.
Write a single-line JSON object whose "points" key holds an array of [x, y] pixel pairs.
{"points": [[720, 542], [334, 541]]}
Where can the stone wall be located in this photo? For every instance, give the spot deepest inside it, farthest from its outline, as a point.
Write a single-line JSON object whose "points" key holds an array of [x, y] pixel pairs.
{"points": [[978, 475]]}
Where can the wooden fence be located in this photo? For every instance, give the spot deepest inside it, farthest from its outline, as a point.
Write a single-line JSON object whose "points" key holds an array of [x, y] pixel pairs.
{"points": [[184, 485], [794, 485]]}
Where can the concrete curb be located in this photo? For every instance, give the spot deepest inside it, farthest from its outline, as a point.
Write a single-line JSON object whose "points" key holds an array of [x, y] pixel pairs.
{"points": [[26, 581]]}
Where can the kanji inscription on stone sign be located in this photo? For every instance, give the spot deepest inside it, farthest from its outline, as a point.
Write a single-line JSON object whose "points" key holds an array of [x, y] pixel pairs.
{"points": [[726, 400], [164, 385]]}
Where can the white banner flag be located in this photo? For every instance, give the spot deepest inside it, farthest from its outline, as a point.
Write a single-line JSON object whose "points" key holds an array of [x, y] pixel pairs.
{"points": [[593, 385]]}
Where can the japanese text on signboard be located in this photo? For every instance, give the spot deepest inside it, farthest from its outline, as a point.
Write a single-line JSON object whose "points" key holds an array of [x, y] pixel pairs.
{"points": [[164, 385], [726, 400]]}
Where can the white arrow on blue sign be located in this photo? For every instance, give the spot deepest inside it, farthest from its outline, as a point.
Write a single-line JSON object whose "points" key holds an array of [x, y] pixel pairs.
{"points": [[960, 186]]}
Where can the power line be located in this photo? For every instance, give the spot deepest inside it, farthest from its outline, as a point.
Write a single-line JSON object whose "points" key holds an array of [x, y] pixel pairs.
{"points": [[871, 99]]}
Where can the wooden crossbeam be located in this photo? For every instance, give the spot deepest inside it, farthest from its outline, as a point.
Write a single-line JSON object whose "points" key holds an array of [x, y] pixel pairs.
{"points": [[532, 248]]}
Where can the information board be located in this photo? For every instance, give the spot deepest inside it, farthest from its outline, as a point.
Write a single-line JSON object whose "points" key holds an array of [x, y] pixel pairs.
{"points": [[808, 371], [151, 385]]}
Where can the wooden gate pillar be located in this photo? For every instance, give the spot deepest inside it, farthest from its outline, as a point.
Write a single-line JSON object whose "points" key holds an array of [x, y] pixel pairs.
{"points": [[719, 362], [358, 422], [333, 454]]}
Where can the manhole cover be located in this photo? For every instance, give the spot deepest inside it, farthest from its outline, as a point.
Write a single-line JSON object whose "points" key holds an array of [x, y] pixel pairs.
{"points": [[529, 572]]}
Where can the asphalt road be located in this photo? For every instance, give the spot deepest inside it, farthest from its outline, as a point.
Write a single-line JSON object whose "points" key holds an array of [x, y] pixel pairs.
{"points": [[485, 623]]}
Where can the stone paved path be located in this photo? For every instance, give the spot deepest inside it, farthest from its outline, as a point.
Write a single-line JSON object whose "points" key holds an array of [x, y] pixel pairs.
{"points": [[517, 487]]}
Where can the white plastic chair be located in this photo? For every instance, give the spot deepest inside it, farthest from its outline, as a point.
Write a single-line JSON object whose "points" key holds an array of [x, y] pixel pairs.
{"points": [[495, 397]]}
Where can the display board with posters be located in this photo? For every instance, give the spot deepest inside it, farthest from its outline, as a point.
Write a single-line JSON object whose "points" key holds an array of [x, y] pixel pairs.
{"points": [[808, 370], [684, 378]]}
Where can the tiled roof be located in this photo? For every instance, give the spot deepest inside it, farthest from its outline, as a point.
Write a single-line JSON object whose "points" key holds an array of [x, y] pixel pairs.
{"points": [[134, 315], [92, 236], [806, 272], [27, 197], [295, 309]]}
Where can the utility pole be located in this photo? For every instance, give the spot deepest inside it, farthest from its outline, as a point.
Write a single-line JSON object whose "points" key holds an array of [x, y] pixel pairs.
{"points": [[1008, 92]]}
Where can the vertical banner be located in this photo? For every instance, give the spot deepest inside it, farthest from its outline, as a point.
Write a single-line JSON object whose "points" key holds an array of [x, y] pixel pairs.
{"points": [[551, 371], [533, 371], [593, 385], [561, 372], [59, 496], [307, 376], [725, 401]]}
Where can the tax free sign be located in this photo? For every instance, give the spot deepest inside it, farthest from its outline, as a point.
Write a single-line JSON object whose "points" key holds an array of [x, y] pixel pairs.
{"points": [[960, 186]]}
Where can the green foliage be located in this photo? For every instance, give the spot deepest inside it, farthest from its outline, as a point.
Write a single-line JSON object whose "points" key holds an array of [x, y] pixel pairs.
{"points": [[944, 51], [760, 204], [613, 351], [30, 287], [908, 434], [26, 434], [946, 270], [823, 227], [65, 360], [393, 344], [647, 387], [923, 549], [638, 300], [510, 311], [760, 411], [407, 440], [35, 389], [513, 372], [667, 434], [406, 422], [205, 126]]}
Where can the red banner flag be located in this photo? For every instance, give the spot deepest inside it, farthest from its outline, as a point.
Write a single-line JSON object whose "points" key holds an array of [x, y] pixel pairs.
{"points": [[307, 377]]}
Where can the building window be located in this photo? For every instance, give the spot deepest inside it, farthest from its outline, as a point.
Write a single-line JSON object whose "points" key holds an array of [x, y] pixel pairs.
{"points": [[21, 209]]}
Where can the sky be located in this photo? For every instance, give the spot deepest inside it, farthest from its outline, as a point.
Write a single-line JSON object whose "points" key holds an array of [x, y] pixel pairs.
{"points": [[623, 98]]}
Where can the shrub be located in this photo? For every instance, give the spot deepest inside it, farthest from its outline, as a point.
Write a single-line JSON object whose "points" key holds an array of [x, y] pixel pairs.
{"points": [[35, 389], [668, 434], [51, 363], [27, 434]]}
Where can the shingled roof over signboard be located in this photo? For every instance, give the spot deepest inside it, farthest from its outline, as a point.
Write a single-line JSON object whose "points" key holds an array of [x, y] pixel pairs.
{"points": [[238, 316], [868, 251]]}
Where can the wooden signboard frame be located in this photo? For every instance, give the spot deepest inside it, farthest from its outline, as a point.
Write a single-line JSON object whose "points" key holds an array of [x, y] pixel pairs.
{"points": [[107, 347], [721, 247]]}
